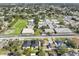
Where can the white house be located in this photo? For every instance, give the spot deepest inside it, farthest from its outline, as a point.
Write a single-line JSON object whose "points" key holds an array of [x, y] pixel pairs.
{"points": [[55, 21], [62, 30], [49, 31], [28, 31]]}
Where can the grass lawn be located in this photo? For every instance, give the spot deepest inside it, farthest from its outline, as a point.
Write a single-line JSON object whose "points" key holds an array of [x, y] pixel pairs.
{"points": [[3, 52], [18, 26]]}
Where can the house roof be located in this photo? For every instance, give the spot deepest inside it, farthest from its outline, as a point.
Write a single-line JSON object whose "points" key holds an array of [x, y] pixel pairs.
{"points": [[26, 43], [49, 30], [28, 31], [31, 20], [55, 21], [32, 43], [61, 30]]}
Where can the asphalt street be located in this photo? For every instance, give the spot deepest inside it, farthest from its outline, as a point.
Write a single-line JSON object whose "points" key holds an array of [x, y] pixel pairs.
{"points": [[32, 36]]}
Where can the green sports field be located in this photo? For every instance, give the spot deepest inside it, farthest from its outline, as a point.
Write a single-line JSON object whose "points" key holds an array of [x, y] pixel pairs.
{"points": [[18, 26]]}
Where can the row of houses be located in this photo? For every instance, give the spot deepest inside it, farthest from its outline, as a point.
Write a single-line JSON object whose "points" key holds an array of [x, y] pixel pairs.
{"points": [[49, 45], [52, 27]]}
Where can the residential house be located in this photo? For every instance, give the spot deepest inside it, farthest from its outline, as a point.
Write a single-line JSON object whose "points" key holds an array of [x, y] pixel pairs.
{"points": [[50, 31], [30, 43]]}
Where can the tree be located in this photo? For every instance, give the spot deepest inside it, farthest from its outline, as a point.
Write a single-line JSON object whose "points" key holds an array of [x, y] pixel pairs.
{"points": [[40, 52], [51, 53], [27, 51], [38, 31], [48, 33], [61, 51], [77, 30], [36, 20], [1, 24], [71, 43], [49, 15], [18, 53], [61, 22], [14, 46]]}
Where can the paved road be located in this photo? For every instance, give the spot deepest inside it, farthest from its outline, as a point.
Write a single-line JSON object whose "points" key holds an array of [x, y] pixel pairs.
{"points": [[32, 36]]}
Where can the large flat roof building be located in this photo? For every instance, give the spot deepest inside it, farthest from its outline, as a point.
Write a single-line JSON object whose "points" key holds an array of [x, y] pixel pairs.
{"points": [[63, 30], [28, 31]]}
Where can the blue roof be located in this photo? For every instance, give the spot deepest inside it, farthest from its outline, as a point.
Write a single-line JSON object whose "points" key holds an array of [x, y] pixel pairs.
{"points": [[26, 43], [59, 42], [32, 43]]}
